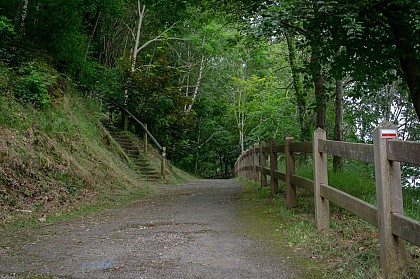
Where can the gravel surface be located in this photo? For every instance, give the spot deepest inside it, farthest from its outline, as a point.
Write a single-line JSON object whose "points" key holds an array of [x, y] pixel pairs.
{"points": [[187, 231]]}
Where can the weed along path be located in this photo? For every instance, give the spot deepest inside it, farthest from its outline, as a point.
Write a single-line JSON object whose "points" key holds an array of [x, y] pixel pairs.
{"points": [[193, 230]]}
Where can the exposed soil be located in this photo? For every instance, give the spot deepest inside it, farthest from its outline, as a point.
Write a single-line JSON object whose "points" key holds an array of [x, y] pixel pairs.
{"points": [[186, 231]]}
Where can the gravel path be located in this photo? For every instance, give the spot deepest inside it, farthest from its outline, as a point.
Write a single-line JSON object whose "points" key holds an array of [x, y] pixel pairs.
{"points": [[188, 231]]}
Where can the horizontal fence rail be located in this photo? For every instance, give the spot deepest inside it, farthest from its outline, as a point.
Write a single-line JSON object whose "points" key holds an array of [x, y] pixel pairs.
{"points": [[386, 153]]}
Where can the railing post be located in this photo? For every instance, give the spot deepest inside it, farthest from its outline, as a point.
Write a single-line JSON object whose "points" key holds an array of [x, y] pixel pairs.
{"points": [[273, 168], [389, 200], [291, 199], [263, 164], [244, 158], [250, 163], [163, 163], [244, 164], [241, 165], [256, 163], [125, 121], [145, 139], [320, 171]]}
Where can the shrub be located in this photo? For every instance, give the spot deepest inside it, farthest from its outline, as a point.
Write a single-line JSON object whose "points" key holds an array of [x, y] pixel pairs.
{"points": [[7, 35], [36, 84]]}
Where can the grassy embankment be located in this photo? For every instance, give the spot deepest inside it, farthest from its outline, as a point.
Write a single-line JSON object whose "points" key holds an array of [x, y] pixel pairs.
{"points": [[350, 249], [57, 161]]}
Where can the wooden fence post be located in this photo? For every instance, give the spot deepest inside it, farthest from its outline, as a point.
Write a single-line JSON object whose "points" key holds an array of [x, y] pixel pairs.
{"points": [[263, 163], [247, 164], [163, 163], [273, 167], [320, 171], [145, 139], [251, 163], [389, 200], [242, 164], [291, 199], [125, 124], [256, 163]]}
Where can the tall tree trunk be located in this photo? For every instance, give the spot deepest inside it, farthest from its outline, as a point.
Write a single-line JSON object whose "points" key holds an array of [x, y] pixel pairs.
{"points": [[300, 98], [410, 63], [241, 137], [197, 85], [141, 13], [197, 150], [390, 91], [321, 103], [21, 17], [338, 129], [93, 30], [319, 84]]}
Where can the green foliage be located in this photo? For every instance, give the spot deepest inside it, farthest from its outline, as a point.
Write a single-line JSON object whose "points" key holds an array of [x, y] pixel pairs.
{"points": [[6, 77], [6, 26], [8, 37], [358, 179], [350, 249], [153, 96], [37, 84]]}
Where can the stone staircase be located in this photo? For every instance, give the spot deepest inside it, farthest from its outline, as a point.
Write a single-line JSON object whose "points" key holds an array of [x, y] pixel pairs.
{"points": [[134, 151]]}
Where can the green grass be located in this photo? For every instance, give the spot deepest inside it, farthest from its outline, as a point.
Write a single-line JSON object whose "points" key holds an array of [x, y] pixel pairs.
{"points": [[60, 154], [358, 179], [265, 218], [350, 249]]}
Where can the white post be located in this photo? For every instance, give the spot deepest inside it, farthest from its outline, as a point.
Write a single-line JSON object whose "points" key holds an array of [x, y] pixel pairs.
{"points": [[389, 200], [320, 169], [291, 197], [163, 163], [263, 164]]}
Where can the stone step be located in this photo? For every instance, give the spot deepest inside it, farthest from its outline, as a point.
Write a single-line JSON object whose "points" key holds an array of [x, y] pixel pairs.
{"points": [[145, 169], [149, 173], [122, 139]]}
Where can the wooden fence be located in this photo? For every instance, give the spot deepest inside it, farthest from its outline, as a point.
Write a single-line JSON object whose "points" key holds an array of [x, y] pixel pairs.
{"points": [[385, 153]]}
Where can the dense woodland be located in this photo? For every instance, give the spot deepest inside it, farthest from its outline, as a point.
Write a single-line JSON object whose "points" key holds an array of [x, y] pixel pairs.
{"points": [[213, 77]]}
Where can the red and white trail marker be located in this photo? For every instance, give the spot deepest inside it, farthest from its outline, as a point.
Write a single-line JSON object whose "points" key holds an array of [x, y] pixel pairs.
{"points": [[389, 134]]}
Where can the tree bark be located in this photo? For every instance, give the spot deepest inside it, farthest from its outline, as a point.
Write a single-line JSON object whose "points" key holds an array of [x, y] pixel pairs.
{"points": [[197, 85], [319, 84], [93, 30], [338, 129], [321, 103], [410, 63], [141, 13], [21, 17], [300, 98]]}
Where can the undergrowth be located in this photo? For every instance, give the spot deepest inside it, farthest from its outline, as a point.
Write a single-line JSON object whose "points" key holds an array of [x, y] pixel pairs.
{"points": [[350, 249], [56, 157], [358, 179]]}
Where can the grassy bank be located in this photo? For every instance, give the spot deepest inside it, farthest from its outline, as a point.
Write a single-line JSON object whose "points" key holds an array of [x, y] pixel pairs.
{"points": [[350, 249], [57, 160]]}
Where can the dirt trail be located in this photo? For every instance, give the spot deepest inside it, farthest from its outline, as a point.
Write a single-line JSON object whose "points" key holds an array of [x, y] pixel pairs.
{"points": [[188, 231]]}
